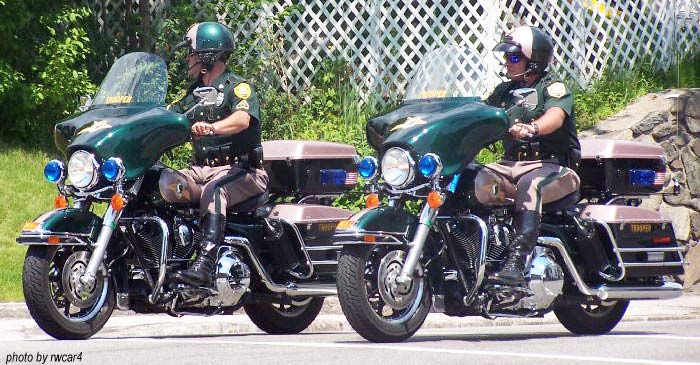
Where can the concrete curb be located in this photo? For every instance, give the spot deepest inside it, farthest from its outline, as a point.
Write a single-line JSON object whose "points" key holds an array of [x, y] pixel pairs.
{"points": [[16, 322]]}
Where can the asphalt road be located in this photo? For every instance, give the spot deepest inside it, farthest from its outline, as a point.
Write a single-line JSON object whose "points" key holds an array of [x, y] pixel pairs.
{"points": [[652, 342]]}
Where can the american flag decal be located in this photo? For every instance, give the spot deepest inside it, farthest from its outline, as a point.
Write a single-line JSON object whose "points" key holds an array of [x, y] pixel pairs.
{"points": [[351, 178], [659, 179]]}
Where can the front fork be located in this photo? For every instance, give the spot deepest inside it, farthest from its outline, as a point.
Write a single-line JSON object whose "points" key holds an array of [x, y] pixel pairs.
{"points": [[425, 223]]}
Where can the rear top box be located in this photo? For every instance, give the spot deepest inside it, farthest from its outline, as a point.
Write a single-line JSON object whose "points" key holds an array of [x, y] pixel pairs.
{"points": [[309, 167], [613, 167]]}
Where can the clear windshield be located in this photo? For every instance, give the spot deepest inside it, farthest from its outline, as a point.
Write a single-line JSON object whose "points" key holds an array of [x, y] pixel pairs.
{"points": [[135, 78], [448, 72]]}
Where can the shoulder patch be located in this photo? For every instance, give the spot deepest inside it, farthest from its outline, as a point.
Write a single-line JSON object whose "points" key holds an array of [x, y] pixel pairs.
{"points": [[556, 90], [242, 90], [243, 105]]}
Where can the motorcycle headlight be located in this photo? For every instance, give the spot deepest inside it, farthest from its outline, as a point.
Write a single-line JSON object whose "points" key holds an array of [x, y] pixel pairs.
{"points": [[397, 167], [82, 170]]}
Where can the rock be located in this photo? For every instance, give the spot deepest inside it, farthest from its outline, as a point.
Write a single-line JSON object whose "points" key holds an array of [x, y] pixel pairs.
{"points": [[679, 103], [645, 138], [680, 216], [652, 203], [691, 164], [695, 146], [663, 130], [670, 150], [692, 271], [693, 124], [650, 121], [681, 139], [695, 225], [676, 164], [692, 106]]}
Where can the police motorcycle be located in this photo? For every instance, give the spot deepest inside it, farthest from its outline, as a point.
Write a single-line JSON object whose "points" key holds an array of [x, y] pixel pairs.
{"points": [[275, 262], [596, 250]]}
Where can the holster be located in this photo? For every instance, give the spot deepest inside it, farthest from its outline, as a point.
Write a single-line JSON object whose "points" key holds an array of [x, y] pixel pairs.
{"points": [[222, 156]]}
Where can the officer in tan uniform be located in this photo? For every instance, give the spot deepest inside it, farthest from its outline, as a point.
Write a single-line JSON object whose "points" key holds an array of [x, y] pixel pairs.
{"points": [[226, 141], [540, 149]]}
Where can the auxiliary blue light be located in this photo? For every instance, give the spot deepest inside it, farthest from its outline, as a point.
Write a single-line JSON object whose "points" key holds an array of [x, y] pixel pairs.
{"points": [[367, 168], [429, 165], [335, 177], [113, 169], [53, 171], [642, 177]]}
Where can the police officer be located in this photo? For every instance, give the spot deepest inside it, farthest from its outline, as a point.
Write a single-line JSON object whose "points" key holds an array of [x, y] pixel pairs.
{"points": [[226, 141], [540, 148]]}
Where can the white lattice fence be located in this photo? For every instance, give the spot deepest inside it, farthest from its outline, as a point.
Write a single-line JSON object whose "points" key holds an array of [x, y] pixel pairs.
{"points": [[384, 40]]}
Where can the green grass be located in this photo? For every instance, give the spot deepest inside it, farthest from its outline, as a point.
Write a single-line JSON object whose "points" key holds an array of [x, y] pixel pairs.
{"points": [[24, 194]]}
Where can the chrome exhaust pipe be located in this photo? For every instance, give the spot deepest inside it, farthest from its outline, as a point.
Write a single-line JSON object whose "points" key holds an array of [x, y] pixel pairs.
{"points": [[603, 292], [665, 291], [291, 290]]}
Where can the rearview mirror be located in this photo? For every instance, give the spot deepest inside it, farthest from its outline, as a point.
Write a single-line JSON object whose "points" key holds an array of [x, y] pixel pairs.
{"points": [[85, 102], [526, 98]]}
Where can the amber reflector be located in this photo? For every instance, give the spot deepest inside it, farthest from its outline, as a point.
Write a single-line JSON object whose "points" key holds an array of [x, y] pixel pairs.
{"points": [[54, 240], [60, 202], [344, 224], [372, 201], [370, 238], [435, 199], [30, 226], [117, 202]]}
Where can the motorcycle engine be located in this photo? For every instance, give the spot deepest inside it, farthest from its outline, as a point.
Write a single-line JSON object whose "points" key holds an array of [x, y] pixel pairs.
{"points": [[232, 278], [546, 281]]}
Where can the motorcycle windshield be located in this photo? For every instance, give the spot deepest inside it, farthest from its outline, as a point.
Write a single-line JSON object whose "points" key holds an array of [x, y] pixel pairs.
{"points": [[135, 78], [448, 72]]}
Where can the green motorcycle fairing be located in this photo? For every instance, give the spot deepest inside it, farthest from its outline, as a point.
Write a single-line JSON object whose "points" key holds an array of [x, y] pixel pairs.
{"points": [[138, 134], [70, 225], [455, 129], [382, 220]]}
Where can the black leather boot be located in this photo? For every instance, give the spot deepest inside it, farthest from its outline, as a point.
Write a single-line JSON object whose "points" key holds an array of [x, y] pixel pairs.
{"points": [[200, 273], [527, 228]]}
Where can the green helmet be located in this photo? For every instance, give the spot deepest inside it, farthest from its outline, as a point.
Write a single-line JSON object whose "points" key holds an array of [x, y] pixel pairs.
{"points": [[208, 37], [533, 43]]}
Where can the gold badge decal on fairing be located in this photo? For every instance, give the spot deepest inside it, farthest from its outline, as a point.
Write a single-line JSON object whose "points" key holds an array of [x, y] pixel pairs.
{"points": [[243, 105], [410, 122], [96, 126], [242, 90], [556, 90]]}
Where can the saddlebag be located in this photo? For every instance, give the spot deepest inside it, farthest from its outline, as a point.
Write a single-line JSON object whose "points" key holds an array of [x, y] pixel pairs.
{"points": [[644, 240], [309, 167], [613, 168]]}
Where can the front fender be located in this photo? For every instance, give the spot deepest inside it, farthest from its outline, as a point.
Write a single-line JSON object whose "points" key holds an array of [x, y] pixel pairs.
{"points": [[380, 225], [62, 227]]}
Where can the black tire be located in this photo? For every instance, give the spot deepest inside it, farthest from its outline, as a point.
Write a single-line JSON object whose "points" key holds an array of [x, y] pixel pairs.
{"points": [[284, 319], [585, 319], [43, 297], [354, 279]]}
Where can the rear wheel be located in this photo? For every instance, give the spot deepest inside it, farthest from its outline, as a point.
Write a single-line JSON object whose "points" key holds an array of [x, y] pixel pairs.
{"points": [[586, 319], [371, 301], [280, 318], [58, 303]]}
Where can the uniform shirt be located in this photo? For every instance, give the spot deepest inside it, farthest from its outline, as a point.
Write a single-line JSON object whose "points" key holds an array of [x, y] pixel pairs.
{"points": [[235, 94], [551, 92]]}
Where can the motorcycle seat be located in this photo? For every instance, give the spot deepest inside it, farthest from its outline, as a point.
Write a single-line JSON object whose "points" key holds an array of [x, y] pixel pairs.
{"points": [[562, 204], [249, 205]]}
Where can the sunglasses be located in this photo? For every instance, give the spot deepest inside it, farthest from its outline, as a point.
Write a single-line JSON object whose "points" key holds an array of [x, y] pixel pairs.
{"points": [[513, 57]]}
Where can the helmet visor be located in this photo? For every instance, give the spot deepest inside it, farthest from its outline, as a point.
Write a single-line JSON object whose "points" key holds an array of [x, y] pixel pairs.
{"points": [[508, 46]]}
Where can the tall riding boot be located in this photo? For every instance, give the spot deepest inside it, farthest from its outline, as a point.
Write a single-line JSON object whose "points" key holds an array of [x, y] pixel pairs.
{"points": [[200, 273], [527, 228]]}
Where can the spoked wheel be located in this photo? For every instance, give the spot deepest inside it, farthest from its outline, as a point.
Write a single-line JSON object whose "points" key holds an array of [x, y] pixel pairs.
{"points": [[284, 318], [59, 304], [587, 319], [376, 307]]}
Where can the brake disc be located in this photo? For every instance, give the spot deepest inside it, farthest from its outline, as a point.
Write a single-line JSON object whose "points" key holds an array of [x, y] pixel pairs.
{"points": [[389, 269], [77, 293]]}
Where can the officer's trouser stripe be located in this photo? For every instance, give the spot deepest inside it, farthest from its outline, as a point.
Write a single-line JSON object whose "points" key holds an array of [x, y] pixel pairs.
{"points": [[547, 180]]}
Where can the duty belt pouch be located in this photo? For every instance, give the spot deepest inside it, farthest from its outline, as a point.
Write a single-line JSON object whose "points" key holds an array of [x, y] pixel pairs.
{"points": [[255, 158], [573, 159]]}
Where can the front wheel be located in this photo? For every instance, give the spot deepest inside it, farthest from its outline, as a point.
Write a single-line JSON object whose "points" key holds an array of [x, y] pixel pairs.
{"points": [[586, 319], [60, 306], [284, 318], [371, 301]]}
